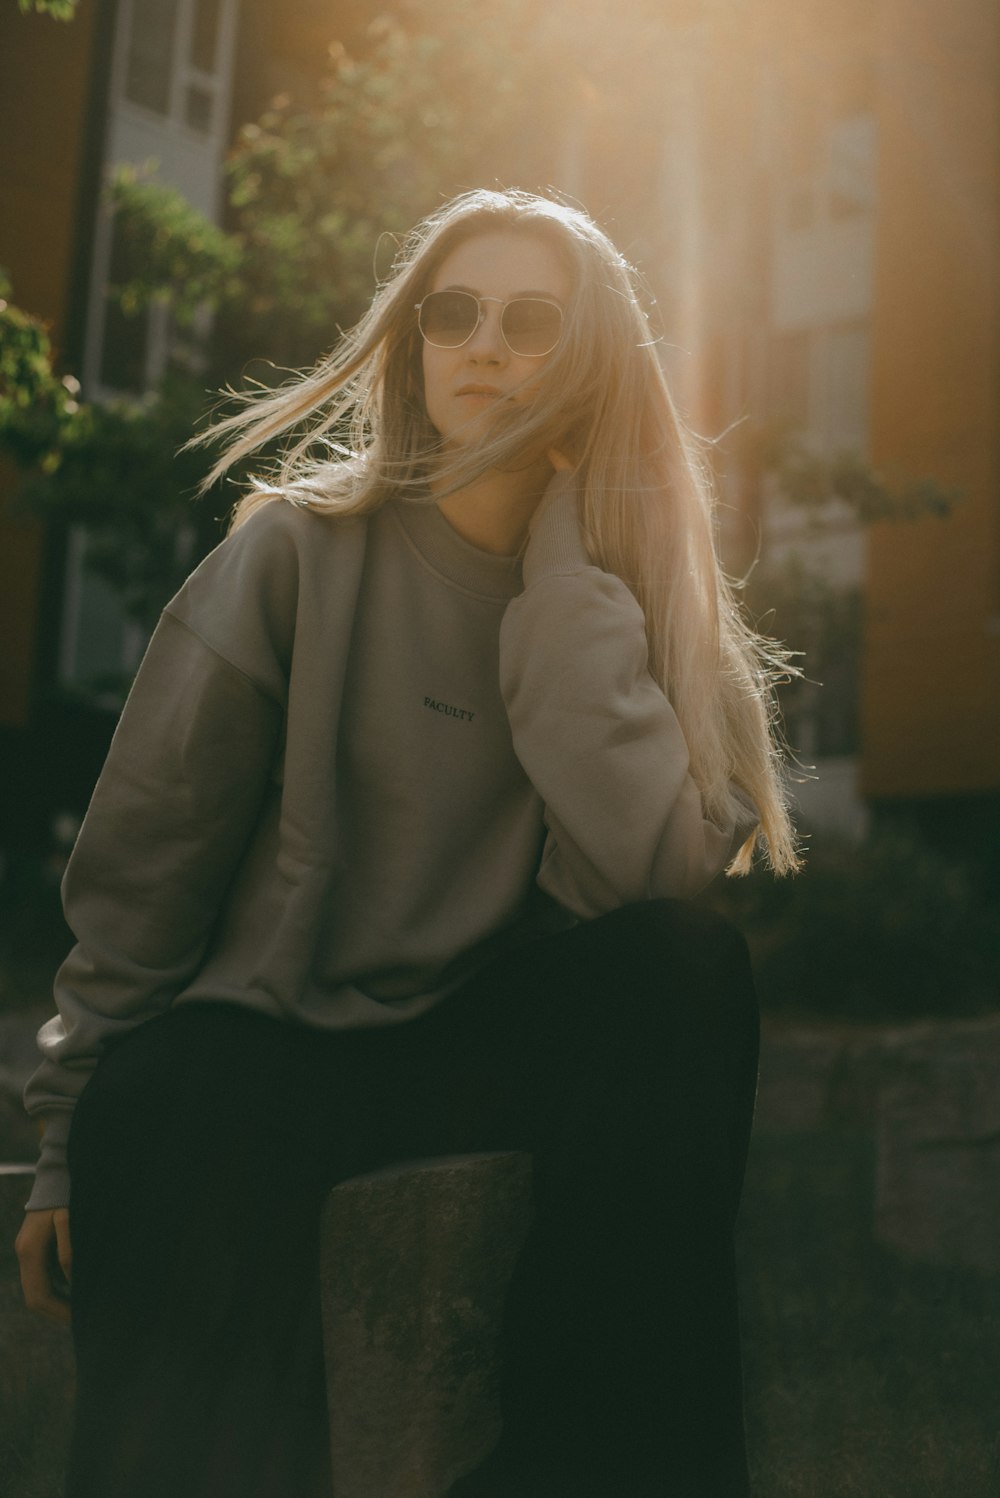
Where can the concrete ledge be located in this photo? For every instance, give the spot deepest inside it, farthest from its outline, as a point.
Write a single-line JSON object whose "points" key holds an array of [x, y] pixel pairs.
{"points": [[937, 1187], [929, 1095], [415, 1264]]}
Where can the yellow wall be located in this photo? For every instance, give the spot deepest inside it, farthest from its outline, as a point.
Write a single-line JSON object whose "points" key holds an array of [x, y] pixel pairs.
{"points": [[931, 687], [44, 68]]}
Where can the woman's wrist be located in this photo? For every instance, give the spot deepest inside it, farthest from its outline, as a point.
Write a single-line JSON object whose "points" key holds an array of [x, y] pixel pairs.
{"points": [[555, 543]]}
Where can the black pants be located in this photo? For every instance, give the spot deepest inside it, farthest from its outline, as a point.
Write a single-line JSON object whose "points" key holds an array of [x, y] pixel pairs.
{"points": [[622, 1054]]}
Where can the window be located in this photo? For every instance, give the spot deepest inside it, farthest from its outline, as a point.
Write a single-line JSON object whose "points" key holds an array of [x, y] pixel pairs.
{"points": [[818, 383], [846, 384], [205, 35], [200, 86], [788, 379], [851, 167], [125, 341], [835, 179], [100, 648], [152, 32], [174, 58]]}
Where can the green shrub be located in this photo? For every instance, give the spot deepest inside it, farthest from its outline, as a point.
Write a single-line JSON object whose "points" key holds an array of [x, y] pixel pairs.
{"points": [[889, 929]]}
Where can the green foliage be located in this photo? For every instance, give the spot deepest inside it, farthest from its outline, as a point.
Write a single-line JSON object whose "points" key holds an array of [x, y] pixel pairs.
{"points": [[810, 480], [890, 929], [813, 611], [59, 10], [119, 472], [792, 599], [176, 254], [36, 406], [113, 467], [789, 594]]}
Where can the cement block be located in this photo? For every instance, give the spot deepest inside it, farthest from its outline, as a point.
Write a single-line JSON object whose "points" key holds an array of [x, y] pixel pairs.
{"points": [[937, 1193], [415, 1264], [797, 1065]]}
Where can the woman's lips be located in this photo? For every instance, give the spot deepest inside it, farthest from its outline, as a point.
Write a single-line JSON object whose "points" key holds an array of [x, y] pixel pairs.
{"points": [[479, 392]]}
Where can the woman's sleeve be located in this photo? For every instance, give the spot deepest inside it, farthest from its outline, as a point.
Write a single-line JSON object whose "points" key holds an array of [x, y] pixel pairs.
{"points": [[170, 817], [596, 735]]}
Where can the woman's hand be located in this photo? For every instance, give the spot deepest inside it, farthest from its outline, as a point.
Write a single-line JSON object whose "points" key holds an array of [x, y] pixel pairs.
{"points": [[46, 1257]]}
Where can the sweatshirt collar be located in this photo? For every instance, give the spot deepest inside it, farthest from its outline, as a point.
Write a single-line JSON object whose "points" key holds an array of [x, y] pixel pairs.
{"points": [[454, 558]]}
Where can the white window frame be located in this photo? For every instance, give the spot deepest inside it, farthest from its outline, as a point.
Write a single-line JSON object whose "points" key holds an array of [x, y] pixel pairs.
{"points": [[183, 74], [200, 147]]}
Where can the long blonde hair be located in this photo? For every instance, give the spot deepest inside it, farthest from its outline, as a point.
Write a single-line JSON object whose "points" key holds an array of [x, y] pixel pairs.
{"points": [[357, 432]]}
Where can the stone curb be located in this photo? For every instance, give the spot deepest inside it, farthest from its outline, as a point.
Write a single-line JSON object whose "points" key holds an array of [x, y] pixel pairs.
{"points": [[930, 1095]]}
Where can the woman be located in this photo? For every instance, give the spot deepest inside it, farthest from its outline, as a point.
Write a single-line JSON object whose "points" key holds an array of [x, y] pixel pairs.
{"points": [[389, 859]]}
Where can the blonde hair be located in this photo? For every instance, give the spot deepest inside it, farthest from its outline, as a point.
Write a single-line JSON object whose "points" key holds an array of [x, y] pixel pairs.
{"points": [[357, 433]]}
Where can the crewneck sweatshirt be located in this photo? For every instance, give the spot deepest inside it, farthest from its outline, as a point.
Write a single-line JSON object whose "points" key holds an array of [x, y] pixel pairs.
{"points": [[360, 756]]}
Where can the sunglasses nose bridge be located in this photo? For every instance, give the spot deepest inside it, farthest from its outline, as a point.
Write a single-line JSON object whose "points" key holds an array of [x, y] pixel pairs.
{"points": [[488, 330]]}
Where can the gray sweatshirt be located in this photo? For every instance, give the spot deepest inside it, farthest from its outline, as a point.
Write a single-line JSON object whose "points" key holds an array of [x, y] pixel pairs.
{"points": [[361, 755]]}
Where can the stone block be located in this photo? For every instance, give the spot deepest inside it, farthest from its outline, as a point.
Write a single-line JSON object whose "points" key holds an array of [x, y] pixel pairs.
{"points": [[797, 1065], [415, 1264], [820, 1076], [937, 1190]]}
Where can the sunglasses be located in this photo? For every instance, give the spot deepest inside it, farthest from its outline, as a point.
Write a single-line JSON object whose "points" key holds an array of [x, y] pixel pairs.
{"points": [[530, 325]]}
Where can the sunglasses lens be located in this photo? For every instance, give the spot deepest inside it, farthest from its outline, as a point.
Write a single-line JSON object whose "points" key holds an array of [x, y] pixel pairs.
{"points": [[532, 327], [448, 318]]}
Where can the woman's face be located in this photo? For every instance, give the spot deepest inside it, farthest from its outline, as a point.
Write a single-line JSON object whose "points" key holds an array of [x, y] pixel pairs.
{"points": [[463, 385]]}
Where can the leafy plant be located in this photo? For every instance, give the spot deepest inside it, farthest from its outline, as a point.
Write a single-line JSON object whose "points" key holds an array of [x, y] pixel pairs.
{"points": [[59, 10], [118, 471], [37, 407]]}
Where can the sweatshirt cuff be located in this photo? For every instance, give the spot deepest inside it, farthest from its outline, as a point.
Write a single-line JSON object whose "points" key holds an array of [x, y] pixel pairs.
{"points": [[555, 542], [51, 1188]]}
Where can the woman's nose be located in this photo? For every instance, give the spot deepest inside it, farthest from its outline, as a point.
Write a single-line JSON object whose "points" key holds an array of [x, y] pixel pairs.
{"points": [[487, 342]]}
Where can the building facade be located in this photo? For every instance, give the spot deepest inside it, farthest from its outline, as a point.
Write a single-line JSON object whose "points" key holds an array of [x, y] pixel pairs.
{"points": [[836, 172]]}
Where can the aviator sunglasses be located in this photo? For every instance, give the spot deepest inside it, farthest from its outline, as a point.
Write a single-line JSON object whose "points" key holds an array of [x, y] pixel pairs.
{"points": [[530, 325]]}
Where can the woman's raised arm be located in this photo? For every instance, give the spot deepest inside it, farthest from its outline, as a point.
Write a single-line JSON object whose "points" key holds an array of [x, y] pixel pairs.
{"points": [[596, 735]]}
